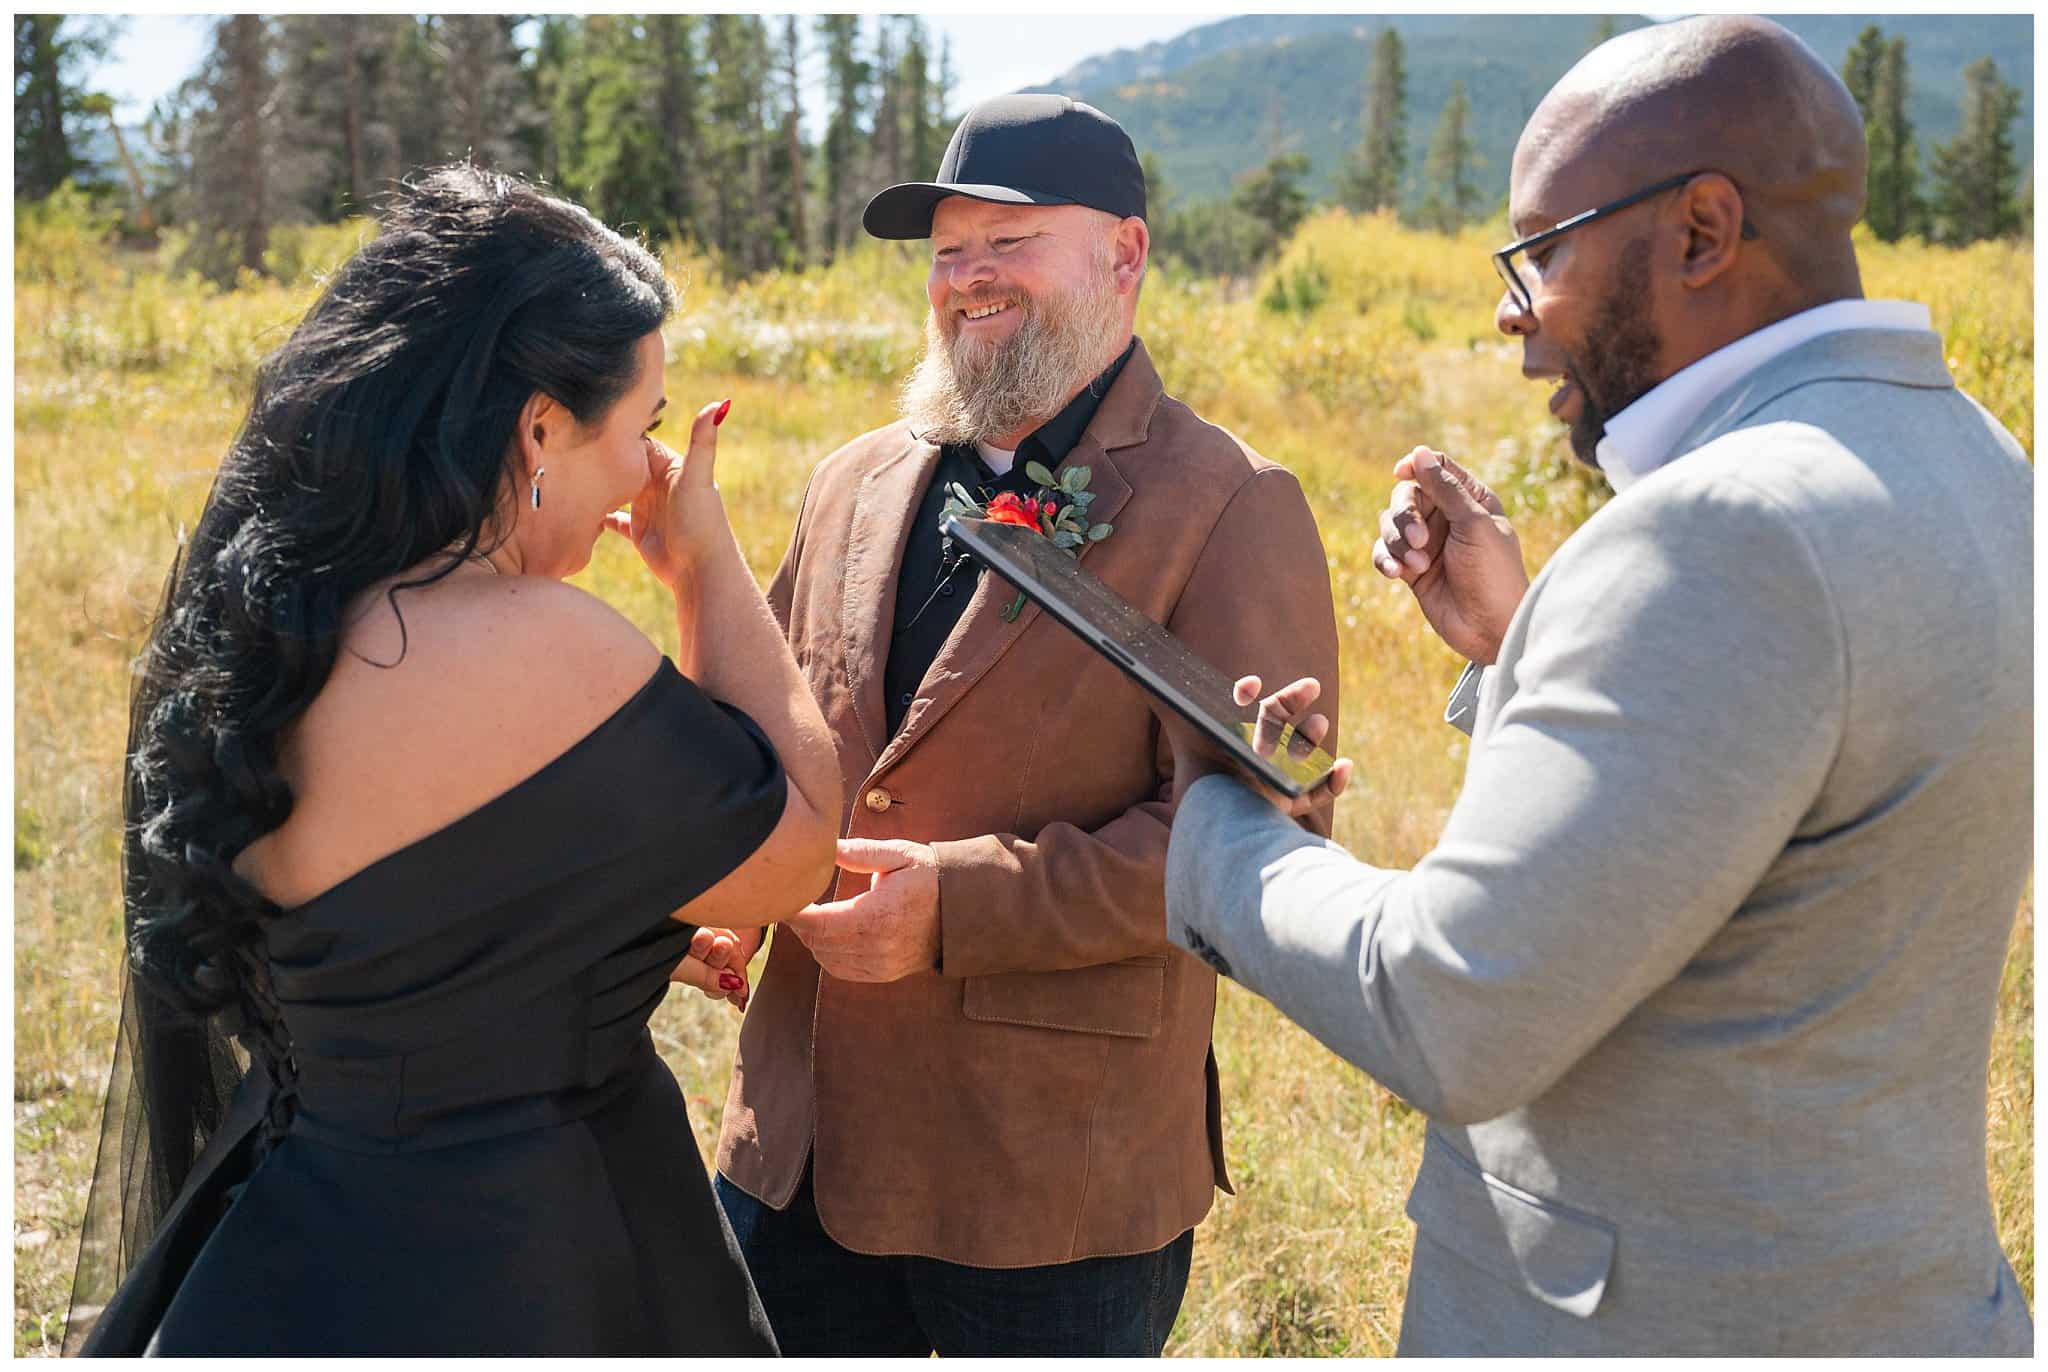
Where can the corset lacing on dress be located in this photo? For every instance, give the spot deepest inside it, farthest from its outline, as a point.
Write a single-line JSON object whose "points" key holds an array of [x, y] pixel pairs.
{"points": [[257, 1022]]}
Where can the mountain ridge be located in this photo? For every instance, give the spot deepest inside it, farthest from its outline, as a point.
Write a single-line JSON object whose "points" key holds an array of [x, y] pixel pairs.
{"points": [[1212, 104]]}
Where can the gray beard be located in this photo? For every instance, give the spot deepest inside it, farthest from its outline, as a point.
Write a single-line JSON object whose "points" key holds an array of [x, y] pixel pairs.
{"points": [[971, 391]]}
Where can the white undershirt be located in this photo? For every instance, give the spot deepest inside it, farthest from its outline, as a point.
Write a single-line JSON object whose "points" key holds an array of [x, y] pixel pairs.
{"points": [[999, 460], [1640, 439]]}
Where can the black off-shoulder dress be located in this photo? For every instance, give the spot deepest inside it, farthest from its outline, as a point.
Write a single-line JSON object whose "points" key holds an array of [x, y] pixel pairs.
{"points": [[467, 1143]]}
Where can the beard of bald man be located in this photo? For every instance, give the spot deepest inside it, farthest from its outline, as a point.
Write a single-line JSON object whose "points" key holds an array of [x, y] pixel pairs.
{"points": [[965, 389], [1619, 365]]}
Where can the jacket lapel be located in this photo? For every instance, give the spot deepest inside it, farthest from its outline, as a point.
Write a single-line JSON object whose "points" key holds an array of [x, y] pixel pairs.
{"points": [[883, 509], [982, 636]]}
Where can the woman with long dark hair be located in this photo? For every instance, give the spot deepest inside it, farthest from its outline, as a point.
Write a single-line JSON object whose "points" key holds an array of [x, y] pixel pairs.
{"points": [[428, 831]]}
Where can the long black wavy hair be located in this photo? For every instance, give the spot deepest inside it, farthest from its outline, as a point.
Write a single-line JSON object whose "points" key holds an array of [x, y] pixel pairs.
{"points": [[378, 435]]}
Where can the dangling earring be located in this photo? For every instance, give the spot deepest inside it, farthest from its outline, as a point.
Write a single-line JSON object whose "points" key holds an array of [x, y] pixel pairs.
{"points": [[538, 474]]}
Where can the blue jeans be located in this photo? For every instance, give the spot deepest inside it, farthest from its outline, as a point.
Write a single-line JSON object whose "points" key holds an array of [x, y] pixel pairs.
{"points": [[825, 1300]]}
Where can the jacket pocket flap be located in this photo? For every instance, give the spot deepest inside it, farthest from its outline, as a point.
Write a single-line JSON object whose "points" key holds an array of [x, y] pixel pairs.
{"points": [[1126, 999], [1559, 1255]]}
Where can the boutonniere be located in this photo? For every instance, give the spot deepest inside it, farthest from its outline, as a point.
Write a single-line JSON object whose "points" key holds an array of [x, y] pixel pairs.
{"points": [[1059, 511]]}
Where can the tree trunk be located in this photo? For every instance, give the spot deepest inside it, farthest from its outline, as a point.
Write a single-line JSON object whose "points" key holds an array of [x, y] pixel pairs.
{"points": [[679, 133], [794, 125], [760, 232], [249, 89], [352, 109], [53, 151], [145, 217], [888, 112]]}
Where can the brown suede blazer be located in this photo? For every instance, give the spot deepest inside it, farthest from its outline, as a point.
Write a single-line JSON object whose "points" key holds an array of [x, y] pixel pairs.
{"points": [[1047, 1093]]}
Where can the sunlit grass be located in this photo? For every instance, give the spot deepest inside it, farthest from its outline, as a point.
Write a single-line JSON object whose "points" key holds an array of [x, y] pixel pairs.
{"points": [[1363, 340]]}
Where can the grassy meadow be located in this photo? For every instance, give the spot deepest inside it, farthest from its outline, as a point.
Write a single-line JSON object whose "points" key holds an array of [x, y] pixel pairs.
{"points": [[1362, 340]]}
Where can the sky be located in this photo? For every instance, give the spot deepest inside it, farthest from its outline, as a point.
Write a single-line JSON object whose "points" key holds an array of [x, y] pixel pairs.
{"points": [[991, 53]]}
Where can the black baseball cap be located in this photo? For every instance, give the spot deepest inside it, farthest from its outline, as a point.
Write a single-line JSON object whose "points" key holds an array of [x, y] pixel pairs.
{"points": [[1022, 150]]}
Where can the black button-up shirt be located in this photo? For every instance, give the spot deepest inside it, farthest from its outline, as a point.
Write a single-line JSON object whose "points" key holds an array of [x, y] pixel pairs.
{"points": [[935, 584]]}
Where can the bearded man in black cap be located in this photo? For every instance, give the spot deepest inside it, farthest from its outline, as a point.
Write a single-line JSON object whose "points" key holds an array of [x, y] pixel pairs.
{"points": [[975, 1109]]}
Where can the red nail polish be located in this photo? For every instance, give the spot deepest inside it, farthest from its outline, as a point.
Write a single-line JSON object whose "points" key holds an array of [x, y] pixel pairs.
{"points": [[727, 981], [719, 418]]}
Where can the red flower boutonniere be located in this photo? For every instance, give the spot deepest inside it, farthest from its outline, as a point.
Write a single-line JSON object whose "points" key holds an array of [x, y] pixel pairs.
{"points": [[1059, 511]]}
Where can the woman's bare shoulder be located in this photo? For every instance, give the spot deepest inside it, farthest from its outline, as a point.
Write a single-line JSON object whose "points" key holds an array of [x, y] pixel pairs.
{"points": [[464, 690], [530, 644]]}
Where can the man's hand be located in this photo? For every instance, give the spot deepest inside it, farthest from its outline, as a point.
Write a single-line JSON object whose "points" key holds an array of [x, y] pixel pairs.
{"points": [[1195, 757], [717, 963], [1445, 535], [889, 930]]}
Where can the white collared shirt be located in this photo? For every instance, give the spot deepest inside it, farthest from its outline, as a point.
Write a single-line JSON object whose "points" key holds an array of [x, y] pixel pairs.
{"points": [[999, 460], [1640, 439]]}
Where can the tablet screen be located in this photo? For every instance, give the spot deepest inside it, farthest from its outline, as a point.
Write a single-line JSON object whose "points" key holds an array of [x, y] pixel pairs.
{"points": [[1150, 655]]}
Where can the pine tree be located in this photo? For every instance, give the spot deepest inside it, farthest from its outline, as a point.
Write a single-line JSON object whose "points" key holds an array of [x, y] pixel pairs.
{"points": [[50, 98], [942, 91], [923, 146], [237, 181], [1275, 198], [889, 102], [336, 105], [491, 112], [554, 70], [676, 106], [765, 239], [1976, 175], [736, 140], [1158, 190], [1372, 180], [419, 105], [1895, 207], [620, 164], [1451, 197], [793, 136], [1860, 67], [359, 72], [848, 78]]}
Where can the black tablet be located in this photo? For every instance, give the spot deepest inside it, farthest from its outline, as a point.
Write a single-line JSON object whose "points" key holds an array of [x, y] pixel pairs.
{"points": [[1147, 653]]}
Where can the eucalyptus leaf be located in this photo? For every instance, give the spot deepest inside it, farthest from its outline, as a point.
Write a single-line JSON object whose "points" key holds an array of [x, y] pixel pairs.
{"points": [[1039, 472], [1100, 532], [960, 493], [1066, 538], [1075, 479]]}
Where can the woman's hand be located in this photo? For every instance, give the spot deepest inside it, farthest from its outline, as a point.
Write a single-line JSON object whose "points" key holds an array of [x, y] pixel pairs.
{"points": [[669, 517], [717, 964]]}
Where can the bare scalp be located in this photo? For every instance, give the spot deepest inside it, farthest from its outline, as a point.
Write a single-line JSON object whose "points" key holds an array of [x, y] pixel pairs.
{"points": [[1732, 93]]}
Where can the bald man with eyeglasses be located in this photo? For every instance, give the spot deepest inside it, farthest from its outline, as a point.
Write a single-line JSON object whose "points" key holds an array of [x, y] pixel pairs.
{"points": [[1697, 987]]}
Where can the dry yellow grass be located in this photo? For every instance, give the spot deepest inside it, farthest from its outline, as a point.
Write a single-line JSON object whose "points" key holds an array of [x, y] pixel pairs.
{"points": [[129, 384]]}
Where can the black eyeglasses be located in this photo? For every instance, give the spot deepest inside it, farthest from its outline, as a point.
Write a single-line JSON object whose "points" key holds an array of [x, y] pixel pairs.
{"points": [[1504, 260]]}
